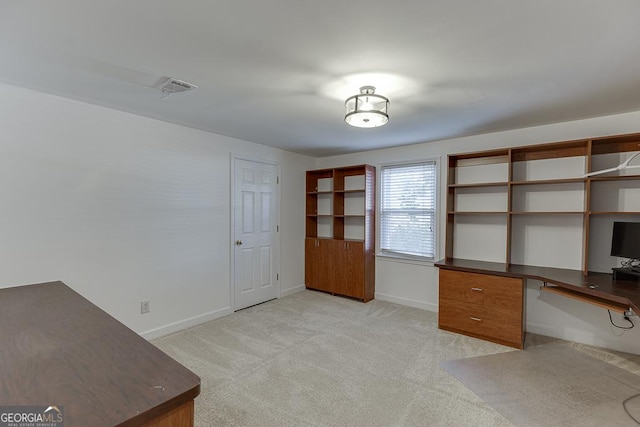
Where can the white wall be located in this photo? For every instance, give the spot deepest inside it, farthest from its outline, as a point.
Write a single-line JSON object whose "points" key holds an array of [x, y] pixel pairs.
{"points": [[417, 285], [124, 208]]}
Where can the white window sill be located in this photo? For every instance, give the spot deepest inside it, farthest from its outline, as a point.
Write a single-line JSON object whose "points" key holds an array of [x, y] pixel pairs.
{"points": [[404, 259]]}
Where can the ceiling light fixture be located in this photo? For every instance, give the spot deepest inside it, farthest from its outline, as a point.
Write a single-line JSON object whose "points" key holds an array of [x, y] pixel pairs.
{"points": [[366, 110]]}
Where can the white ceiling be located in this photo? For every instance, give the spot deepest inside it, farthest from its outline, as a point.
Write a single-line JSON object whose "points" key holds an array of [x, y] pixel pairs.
{"points": [[276, 72]]}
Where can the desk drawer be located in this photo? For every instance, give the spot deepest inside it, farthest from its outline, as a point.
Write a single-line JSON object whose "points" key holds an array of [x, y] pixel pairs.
{"points": [[495, 324], [485, 289]]}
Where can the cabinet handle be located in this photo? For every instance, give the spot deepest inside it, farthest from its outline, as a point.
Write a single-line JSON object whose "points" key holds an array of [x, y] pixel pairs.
{"points": [[477, 289], [475, 319]]}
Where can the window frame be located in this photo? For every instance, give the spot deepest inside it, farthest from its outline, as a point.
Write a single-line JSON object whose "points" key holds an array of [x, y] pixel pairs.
{"points": [[399, 256]]}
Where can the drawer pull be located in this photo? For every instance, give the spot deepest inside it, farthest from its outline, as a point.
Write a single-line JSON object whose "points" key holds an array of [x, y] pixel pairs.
{"points": [[477, 289], [476, 319]]}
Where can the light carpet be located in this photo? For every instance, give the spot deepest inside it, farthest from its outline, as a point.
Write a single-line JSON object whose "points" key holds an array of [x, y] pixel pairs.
{"points": [[312, 359]]}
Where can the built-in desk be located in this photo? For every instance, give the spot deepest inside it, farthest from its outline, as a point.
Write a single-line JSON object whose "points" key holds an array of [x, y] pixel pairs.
{"points": [[595, 288], [57, 348]]}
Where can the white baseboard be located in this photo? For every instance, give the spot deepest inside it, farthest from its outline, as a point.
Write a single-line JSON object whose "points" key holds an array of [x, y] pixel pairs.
{"points": [[584, 337], [406, 301], [186, 323], [203, 318], [291, 291], [550, 331]]}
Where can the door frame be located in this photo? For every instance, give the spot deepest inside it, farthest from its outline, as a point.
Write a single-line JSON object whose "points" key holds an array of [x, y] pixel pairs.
{"points": [[232, 194]]}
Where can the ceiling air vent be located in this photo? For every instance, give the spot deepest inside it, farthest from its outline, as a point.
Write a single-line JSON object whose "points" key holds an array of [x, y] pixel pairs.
{"points": [[170, 85]]}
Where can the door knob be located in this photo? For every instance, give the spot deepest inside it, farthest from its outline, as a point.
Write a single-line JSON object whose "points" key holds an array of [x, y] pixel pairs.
{"points": [[238, 242]]}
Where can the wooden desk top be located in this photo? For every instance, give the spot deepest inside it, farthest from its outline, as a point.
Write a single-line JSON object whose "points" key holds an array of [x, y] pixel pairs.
{"points": [[600, 285], [57, 348]]}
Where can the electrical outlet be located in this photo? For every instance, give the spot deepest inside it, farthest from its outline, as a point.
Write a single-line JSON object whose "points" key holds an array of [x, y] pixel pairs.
{"points": [[145, 307]]}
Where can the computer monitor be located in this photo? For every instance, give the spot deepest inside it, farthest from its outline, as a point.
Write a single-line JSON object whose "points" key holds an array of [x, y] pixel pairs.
{"points": [[625, 241]]}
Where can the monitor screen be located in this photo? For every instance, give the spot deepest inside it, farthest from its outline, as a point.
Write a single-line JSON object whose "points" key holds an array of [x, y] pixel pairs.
{"points": [[625, 242]]}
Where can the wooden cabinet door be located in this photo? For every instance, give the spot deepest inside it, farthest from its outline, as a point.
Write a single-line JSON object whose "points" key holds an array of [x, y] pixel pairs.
{"points": [[318, 264], [348, 259]]}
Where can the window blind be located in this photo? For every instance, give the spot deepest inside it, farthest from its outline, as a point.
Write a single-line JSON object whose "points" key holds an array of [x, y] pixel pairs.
{"points": [[408, 209]]}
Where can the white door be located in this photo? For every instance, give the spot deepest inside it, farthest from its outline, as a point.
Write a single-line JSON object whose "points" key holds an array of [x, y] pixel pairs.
{"points": [[255, 204]]}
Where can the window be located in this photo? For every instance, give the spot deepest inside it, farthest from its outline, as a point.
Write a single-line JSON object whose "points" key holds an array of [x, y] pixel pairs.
{"points": [[408, 209]]}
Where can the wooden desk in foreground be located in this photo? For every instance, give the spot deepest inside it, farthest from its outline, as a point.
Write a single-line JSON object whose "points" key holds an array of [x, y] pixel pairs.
{"points": [[57, 348], [478, 300]]}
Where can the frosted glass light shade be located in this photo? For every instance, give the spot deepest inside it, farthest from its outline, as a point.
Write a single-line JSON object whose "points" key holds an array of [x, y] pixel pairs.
{"points": [[366, 110]]}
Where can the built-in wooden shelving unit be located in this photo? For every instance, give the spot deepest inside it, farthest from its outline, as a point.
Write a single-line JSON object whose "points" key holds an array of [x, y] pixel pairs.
{"points": [[340, 231], [522, 205]]}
